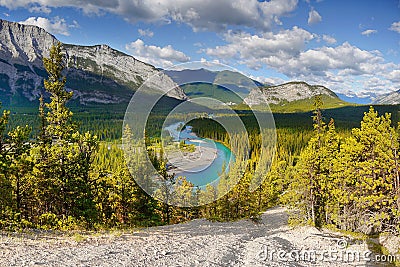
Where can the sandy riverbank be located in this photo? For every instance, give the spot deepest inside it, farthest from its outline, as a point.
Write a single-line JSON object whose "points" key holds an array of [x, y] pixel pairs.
{"points": [[195, 161]]}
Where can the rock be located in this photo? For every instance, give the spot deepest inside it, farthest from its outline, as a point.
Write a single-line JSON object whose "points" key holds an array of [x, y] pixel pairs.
{"points": [[165, 253], [367, 229], [391, 242]]}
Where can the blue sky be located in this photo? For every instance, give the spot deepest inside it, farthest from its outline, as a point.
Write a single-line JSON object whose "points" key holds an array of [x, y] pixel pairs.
{"points": [[352, 47]]}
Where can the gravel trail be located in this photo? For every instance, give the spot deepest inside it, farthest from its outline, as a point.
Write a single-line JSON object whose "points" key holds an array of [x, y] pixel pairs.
{"points": [[197, 243]]}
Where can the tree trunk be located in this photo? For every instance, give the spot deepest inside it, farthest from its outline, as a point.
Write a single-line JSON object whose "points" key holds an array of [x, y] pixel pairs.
{"points": [[18, 195]]}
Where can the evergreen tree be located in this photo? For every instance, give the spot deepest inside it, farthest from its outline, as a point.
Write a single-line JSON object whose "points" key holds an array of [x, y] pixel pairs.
{"points": [[15, 167], [183, 197], [5, 184], [310, 188], [141, 175], [4, 146], [63, 156], [207, 199], [165, 193], [330, 153], [367, 176], [20, 170]]}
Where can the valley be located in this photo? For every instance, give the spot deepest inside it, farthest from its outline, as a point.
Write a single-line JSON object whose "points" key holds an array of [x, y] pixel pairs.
{"points": [[91, 142]]}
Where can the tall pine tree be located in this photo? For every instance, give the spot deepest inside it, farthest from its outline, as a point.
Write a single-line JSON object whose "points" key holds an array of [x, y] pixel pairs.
{"points": [[310, 188], [63, 155], [366, 174]]}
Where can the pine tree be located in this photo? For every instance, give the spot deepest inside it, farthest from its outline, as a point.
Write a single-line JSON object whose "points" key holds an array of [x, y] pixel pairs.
{"points": [[141, 181], [165, 193], [310, 188], [63, 156], [367, 174], [15, 167], [207, 200], [330, 153], [3, 143], [183, 198], [5, 184], [20, 169]]}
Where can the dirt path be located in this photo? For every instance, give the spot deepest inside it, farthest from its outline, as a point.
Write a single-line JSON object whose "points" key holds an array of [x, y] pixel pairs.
{"points": [[197, 243]]}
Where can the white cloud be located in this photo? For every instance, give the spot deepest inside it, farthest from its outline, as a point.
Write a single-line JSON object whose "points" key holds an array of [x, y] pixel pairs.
{"points": [[369, 32], [146, 32], [394, 76], [74, 24], [346, 58], [160, 56], [339, 67], [267, 80], [395, 26], [374, 83], [286, 52], [377, 85], [40, 9], [314, 17], [328, 39], [243, 45], [55, 26], [199, 14], [392, 52]]}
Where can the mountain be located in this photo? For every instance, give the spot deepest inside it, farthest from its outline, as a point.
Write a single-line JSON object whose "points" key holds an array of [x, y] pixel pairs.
{"points": [[287, 92], [96, 74], [102, 75], [185, 76], [392, 98], [227, 86], [232, 88], [203, 75], [357, 99], [293, 96]]}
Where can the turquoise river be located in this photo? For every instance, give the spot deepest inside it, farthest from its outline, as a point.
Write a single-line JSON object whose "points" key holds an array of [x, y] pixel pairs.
{"points": [[210, 174]]}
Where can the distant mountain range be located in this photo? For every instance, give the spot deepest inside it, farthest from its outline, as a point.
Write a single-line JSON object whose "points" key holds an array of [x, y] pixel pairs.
{"points": [[357, 99], [224, 77], [391, 98], [102, 75], [226, 86], [232, 88]]}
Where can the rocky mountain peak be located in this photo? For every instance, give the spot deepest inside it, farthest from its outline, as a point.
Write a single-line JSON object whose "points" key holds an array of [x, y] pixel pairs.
{"points": [[392, 98], [22, 43], [287, 92], [96, 74]]}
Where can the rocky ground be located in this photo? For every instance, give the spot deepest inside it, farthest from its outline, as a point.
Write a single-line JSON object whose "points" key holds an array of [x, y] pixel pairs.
{"points": [[197, 243]]}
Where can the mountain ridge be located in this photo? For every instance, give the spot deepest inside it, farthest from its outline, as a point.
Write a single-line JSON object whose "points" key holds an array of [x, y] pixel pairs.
{"points": [[99, 74], [96, 74], [253, 93], [287, 92], [392, 98]]}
